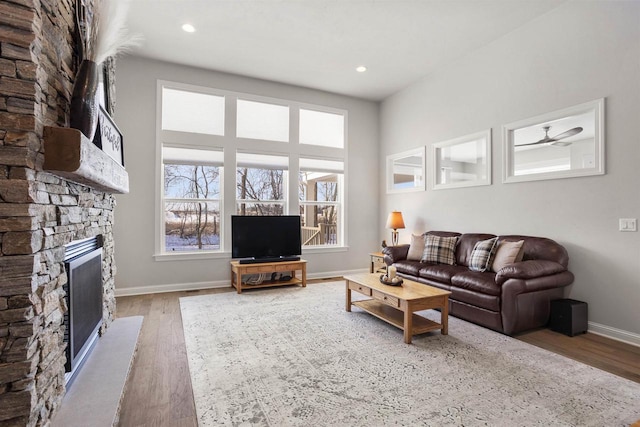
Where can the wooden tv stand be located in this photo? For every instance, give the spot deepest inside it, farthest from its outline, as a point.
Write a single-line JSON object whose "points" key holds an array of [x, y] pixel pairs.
{"points": [[237, 270]]}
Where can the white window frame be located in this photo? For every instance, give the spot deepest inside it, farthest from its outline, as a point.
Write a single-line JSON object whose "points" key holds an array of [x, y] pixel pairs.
{"points": [[339, 204], [263, 100], [230, 144], [285, 190], [329, 111], [165, 200]]}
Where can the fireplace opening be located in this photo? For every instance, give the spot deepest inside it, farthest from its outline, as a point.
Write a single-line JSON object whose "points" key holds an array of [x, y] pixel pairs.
{"points": [[83, 264]]}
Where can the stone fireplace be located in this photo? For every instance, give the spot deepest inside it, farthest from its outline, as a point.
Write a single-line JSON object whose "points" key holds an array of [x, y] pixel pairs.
{"points": [[40, 212]]}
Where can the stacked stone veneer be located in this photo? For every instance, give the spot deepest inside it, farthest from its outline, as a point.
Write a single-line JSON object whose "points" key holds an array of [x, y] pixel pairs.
{"points": [[39, 212]]}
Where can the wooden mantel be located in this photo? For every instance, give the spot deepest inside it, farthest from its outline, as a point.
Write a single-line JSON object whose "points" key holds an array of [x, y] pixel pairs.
{"points": [[70, 155]]}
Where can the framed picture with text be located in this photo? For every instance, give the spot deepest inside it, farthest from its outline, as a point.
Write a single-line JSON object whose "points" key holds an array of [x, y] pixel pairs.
{"points": [[108, 137]]}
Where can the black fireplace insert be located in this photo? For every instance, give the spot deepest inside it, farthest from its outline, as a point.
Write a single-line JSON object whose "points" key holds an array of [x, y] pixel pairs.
{"points": [[83, 263]]}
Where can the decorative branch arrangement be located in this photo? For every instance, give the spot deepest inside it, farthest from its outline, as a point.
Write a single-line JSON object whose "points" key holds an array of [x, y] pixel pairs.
{"points": [[103, 32]]}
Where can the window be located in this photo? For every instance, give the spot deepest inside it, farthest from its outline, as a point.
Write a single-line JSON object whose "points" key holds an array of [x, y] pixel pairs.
{"points": [[191, 199], [259, 120], [260, 141], [192, 112], [261, 184], [320, 128], [320, 197]]}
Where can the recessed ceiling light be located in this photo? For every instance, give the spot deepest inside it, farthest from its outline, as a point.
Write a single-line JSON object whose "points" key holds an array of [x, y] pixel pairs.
{"points": [[188, 28], [361, 69]]}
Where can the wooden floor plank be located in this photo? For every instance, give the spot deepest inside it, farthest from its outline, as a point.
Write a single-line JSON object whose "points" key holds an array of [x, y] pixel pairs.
{"points": [[604, 353], [159, 393]]}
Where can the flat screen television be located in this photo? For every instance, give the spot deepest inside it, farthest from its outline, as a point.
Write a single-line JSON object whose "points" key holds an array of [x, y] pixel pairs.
{"points": [[265, 238]]}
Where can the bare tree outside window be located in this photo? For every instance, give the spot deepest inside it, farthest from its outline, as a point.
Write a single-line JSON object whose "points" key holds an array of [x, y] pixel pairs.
{"points": [[192, 207], [260, 191]]}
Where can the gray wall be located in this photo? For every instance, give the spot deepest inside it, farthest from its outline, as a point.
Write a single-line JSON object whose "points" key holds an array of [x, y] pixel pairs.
{"points": [[138, 272], [578, 52]]}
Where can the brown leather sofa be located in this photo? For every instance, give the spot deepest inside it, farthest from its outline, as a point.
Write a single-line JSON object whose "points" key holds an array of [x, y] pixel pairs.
{"points": [[515, 299]]}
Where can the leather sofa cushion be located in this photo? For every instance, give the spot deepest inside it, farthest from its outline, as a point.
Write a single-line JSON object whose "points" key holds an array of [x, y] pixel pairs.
{"points": [[473, 313], [395, 253], [444, 233], [476, 281], [532, 269], [440, 272], [408, 267], [540, 248], [488, 302]]}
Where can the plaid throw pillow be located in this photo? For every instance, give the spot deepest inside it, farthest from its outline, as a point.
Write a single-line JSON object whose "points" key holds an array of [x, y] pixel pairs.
{"points": [[440, 250], [481, 255]]}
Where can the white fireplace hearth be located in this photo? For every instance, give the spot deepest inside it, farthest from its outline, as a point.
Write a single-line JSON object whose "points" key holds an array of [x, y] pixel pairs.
{"points": [[95, 397]]}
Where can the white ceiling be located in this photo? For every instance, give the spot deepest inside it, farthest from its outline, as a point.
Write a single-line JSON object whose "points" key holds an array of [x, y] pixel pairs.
{"points": [[319, 43]]}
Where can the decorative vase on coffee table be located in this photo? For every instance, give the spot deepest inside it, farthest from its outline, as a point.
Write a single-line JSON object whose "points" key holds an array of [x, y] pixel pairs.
{"points": [[84, 103]]}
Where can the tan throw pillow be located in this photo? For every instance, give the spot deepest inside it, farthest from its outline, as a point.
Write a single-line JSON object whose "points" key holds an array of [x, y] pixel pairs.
{"points": [[507, 253], [416, 248]]}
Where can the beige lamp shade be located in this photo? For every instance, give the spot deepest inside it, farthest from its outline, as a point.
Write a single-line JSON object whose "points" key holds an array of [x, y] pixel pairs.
{"points": [[395, 220]]}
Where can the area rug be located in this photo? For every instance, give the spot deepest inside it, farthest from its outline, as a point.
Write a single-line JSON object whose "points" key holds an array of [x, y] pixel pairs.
{"points": [[294, 357]]}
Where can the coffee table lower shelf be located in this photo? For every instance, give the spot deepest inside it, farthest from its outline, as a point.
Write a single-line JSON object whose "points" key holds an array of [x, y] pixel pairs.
{"points": [[395, 317]]}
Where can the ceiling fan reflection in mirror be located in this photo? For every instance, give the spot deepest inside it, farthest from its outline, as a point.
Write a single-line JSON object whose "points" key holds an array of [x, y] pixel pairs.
{"points": [[554, 141]]}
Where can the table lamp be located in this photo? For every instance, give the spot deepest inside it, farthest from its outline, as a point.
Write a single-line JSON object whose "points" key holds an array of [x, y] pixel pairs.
{"points": [[395, 222]]}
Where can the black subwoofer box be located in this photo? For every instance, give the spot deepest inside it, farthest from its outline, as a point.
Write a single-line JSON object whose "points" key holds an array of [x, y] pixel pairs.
{"points": [[568, 316]]}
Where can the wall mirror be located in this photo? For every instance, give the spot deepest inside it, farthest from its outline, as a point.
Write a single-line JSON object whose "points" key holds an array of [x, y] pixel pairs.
{"points": [[405, 171], [462, 162], [562, 144]]}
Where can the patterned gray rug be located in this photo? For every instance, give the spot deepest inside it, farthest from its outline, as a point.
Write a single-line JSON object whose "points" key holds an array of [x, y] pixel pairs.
{"points": [[294, 357]]}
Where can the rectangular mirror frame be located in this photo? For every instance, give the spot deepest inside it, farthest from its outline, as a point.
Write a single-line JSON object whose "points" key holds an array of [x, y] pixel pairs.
{"points": [[433, 163], [390, 163], [597, 106]]}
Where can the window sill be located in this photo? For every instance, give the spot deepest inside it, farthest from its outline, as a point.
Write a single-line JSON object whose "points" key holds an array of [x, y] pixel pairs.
{"points": [[324, 249], [188, 256]]}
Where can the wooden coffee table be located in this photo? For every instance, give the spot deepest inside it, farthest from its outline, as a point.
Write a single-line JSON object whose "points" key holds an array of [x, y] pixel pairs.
{"points": [[397, 304]]}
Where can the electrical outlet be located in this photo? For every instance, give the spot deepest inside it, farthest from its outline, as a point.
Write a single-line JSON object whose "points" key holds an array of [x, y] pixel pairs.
{"points": [[628, 224]]}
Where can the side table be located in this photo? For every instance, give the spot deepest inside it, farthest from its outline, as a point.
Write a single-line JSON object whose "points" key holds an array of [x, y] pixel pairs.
{"points": [[377, 263]]}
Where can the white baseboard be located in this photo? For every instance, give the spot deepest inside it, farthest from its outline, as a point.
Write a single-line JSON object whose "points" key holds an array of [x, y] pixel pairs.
{"points": [[175, 287], [614, 333], [332, 274], [171, 287]]}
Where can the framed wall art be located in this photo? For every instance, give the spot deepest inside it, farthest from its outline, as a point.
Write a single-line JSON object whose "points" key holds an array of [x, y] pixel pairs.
{"points": [[108, 137]]}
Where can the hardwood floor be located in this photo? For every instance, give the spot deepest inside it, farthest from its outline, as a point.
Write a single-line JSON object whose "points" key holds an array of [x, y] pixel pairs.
{"points": [[604, 353], [158, 391]]}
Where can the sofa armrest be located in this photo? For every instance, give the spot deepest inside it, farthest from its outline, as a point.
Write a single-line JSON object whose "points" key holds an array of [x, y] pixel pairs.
{"points": [[526, 302], [528, 270], [395, 253]]}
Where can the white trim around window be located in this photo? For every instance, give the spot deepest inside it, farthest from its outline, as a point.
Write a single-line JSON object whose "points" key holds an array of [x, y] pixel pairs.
{"points": [[229, 145]]}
